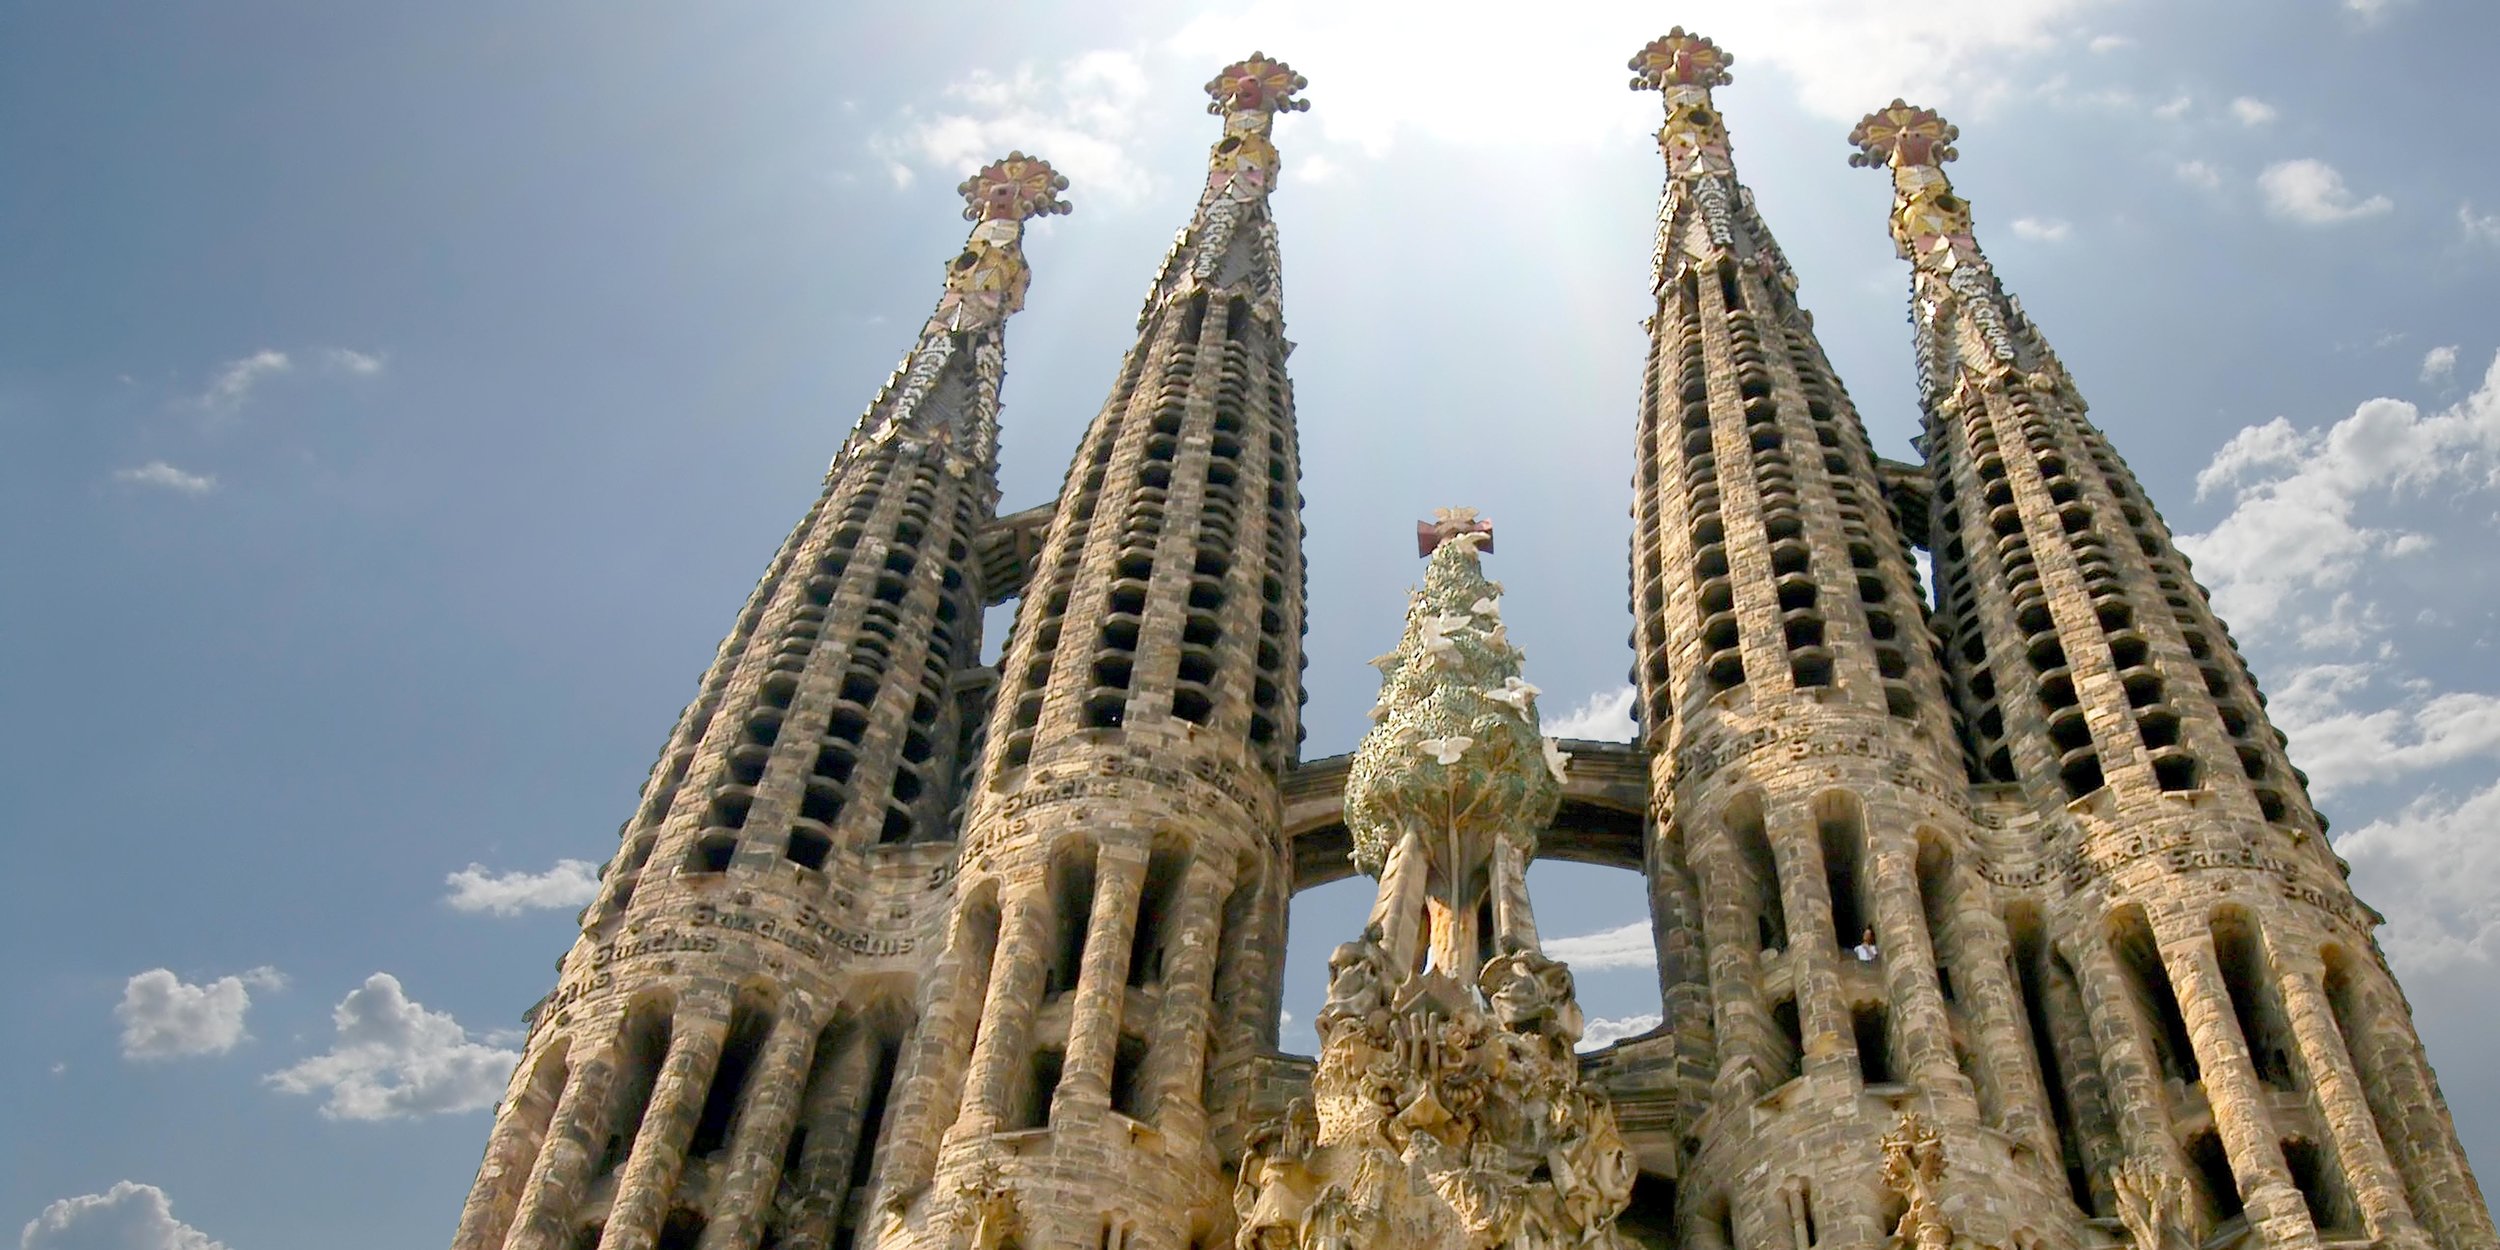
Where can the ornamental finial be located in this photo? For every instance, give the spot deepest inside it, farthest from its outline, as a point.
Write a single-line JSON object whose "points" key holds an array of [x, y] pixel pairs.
{"points": [[1257, 85], [1901, 134], [1014, 187], [1683, 60], [1449, 523]]}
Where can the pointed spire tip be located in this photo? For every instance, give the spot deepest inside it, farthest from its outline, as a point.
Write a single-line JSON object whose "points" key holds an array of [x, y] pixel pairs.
{"points": [[1257, 83], [1015, 187], [1901, 133], [1680, 59]]}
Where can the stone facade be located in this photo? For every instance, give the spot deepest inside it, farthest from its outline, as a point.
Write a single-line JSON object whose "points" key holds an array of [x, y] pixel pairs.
{"points": [[2004, 923]]}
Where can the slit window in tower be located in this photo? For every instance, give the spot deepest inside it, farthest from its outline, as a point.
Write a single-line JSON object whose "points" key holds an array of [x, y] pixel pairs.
{"points": [[647, 1032], [712, 853], [872, 1114], [2314, 1176], [1866, 1025], [2264, 1027], [1789, 1063], [2131, 939], [808, 848], [2029, 955], [682, 1230], [1936, 895], [1154, 906], [748, 1027], [1042, 1087], [1760, 870], [1838, 817], [2214, 1182], [1128, 1086], [1072, 907]]}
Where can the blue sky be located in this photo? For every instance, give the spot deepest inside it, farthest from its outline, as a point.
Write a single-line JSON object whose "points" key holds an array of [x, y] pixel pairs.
{"points": [[400, 401]]}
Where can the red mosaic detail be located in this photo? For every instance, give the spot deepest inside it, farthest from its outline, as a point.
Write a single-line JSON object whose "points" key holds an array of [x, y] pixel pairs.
{"points": [[1257, 84], [1014, 188], [1903, 134], [1681, 59]]}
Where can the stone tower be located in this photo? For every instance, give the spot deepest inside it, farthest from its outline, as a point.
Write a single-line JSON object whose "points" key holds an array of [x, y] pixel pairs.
{"points": [[1803, 759], [2220, 1034], [707, 1070], [2001, 924], [1118, 899]]}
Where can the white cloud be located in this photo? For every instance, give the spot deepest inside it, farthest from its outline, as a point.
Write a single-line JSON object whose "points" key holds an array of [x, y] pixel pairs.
{"points": [[2342, 745], [159, 475], [1082, 115], [2429, 868], [2439, 364], [393, 1058], [162, 1016], [2043, 229], [2370, 11], [2479, 227], [2174, 108], [1603, 717], [2109, 43], [1629, 946], [1382, 71], [2199, 174], [2291, 532], [349, 360], [571, 883], [1606, 1032], [2313, 193], [236, 379], [2252, 111], [129, 1216]]}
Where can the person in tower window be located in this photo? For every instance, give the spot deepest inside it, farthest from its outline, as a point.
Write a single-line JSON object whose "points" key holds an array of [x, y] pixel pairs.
{"points": [[1865, 949]]}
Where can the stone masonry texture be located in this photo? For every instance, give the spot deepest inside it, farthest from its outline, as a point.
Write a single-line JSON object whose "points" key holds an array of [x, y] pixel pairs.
{"points": [[1999, 922]]}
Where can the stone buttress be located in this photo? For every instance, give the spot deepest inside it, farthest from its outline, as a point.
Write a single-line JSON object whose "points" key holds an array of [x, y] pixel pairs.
{"points": [[1118, 908], [708, 1071], [2224, 1046], [1809, 787]]}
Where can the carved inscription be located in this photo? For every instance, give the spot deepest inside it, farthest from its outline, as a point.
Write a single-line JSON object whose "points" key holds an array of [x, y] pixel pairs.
{"points": [[2076, 867]]}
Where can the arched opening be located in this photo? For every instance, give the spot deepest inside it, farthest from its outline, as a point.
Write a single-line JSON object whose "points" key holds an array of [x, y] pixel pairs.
{"points": [[2067, 1059], [1316, 921], [1596, 919]]}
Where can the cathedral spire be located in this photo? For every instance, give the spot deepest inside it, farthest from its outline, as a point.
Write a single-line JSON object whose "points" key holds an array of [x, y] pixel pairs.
{"points": [[1953, 284], [945, 393], [1230, 242]]}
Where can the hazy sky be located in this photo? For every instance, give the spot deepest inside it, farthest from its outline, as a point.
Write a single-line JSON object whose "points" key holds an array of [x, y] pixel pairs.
{"points": [[400, 400]]}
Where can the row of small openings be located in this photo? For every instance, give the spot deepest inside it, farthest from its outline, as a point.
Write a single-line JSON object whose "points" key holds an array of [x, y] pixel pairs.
{"points": [[2258, 757], [1990, 758], [1723, 664], [2157, 723], [1279, 623], [1892, 664], [1141, 531], [1048, 590], [1649, 639], [1218, 534]]}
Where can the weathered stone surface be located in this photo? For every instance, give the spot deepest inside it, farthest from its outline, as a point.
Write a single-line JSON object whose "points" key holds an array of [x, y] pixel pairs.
{"points": [[2000, 923]]}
